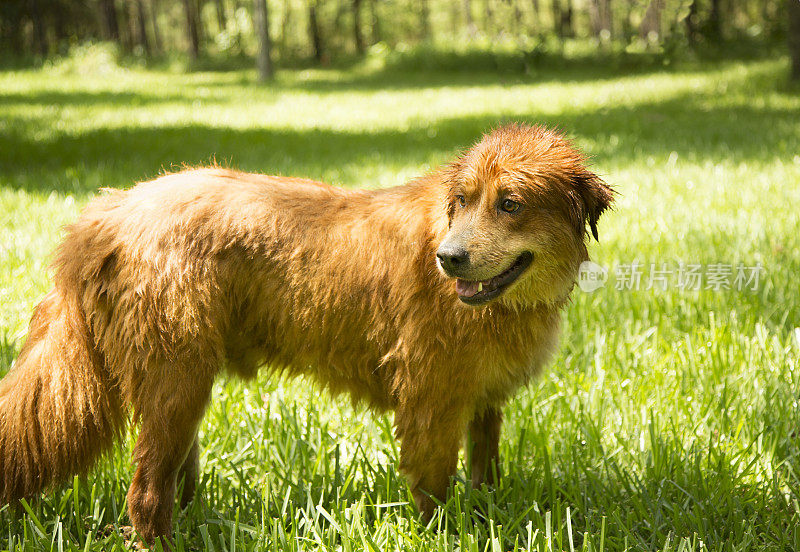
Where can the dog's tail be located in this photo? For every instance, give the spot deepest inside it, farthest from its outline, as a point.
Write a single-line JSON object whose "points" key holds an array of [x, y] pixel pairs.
{"points": [[59, 409]]}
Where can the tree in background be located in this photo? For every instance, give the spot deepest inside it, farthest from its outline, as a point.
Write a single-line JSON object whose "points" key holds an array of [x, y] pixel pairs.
{"points": [[714, 23], [472, 30], [222, 20], [691, 23], [192, 28], [600, 14], [563, 18], [557, 18], [141, 27], [358, 38], [322, 30], [108, 15], [42, 44], [425, 19], [157, 41], [650, 29], [375, 22], [314, 32], [794, 37], [264, 55]]}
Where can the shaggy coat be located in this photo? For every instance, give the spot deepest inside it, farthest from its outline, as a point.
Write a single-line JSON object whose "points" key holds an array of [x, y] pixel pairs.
{"points": [[161, 287]]}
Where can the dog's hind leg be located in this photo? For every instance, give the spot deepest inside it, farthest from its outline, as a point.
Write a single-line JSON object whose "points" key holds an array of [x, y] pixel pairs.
{"points": [[189, 473], [169, 407], [484, 432]]}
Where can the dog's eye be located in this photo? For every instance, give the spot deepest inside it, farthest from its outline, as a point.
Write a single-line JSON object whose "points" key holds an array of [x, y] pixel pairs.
{"points": [[509, 206], [461, 200]]}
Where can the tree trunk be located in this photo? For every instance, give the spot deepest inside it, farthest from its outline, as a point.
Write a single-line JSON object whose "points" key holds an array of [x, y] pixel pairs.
{"points": [[715, 20], [650, 29], [314, 32], [425, 19], [12, 28], [108, 15], [455, 18], [198, 17], [142, 27], [691, 23], [600, 15], [159, 44], [264, 58], [357, 36], [130, 23], [286, 25], [594, 17], [489, 17], [337, 29], [770, 14], [517, 17], [60, 16], [192, 33], [471, 29], [627, 22], [376, 23], [39, 30], [126, 39], [606, 18], [558, 19], [794, 38], [567, 21], [221, 19], [537, 21]]}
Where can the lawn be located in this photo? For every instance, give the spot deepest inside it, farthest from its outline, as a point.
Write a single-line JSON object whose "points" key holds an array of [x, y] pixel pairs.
{"points": [[668, 420]]}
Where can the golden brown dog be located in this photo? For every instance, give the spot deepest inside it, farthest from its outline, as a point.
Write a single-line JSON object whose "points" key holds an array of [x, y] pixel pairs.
{"points": [[436, 299]]}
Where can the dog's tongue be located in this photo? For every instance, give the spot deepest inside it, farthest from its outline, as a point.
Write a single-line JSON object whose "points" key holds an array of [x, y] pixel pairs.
{"points": [[465, 288]]}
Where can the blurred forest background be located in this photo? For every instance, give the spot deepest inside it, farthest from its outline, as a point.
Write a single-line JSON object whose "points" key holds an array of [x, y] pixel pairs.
{"points": [[324, 32]]}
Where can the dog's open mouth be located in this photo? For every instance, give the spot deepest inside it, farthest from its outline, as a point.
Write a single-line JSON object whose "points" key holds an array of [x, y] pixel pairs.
{"points": [[479, 292]]}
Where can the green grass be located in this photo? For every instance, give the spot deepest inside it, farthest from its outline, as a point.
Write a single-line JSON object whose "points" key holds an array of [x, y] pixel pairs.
{"points": [[669, 419]]}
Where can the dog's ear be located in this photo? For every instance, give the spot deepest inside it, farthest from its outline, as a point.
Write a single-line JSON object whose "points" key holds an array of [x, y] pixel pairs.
{"points": [[450, 176], [592, 197]]}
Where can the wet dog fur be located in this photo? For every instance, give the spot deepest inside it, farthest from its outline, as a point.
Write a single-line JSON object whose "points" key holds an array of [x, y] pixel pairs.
{"points": [[436, 299]]}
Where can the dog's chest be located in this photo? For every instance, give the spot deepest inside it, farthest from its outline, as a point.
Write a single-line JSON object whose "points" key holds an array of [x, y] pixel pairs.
{"points": [[517, 353]]}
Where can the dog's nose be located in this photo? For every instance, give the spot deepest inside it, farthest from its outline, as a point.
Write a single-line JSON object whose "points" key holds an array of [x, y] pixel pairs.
{"points": [[452, 256]]}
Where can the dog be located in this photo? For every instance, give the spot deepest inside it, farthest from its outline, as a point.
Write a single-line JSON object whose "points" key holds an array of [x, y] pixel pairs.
{"points": [[436, 299]]}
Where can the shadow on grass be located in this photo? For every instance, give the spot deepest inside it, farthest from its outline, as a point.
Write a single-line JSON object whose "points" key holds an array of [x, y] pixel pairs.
{"points": [[391, 78], [54, 99], [436, 69], [686, 125]]}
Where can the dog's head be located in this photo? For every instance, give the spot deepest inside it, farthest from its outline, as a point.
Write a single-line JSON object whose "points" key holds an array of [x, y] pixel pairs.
{"points": [[518, 206]]}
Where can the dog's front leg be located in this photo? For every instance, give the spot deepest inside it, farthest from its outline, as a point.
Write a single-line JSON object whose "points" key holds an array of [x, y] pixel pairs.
{"points": [[484, 433], [431, 435]]}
